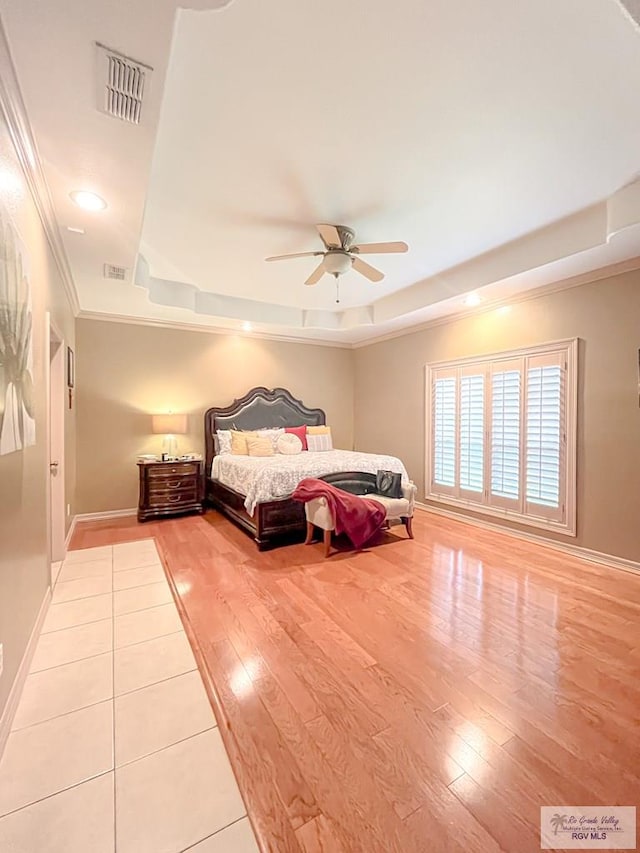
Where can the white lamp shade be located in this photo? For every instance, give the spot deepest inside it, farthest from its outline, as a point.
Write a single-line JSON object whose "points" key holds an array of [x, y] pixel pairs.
{"points": [[169, 424]]}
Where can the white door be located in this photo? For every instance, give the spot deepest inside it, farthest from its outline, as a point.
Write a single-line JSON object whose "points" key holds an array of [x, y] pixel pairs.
{"points": [[57, 398]]}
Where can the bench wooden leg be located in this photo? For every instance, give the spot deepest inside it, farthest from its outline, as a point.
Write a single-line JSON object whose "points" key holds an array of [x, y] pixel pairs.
{"points": [[326, 538], [309, 538]]}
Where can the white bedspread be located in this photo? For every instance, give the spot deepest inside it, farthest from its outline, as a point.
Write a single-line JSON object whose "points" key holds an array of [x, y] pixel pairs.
{"points": [[263, 478]]}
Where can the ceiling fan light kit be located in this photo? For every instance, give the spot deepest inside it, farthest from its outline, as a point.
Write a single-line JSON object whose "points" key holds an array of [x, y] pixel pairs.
{"points": [[337, 262], [340, 254]]}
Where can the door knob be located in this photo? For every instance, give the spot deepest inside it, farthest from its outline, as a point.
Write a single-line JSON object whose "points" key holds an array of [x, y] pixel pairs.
{"points": [[53, 467]]}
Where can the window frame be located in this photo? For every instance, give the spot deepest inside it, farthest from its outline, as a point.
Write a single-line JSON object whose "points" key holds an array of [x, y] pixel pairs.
{"points": [[491, 505]]}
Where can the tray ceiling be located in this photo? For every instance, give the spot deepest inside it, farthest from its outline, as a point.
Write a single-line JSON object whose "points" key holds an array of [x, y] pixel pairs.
{"points": [[494, 138]]}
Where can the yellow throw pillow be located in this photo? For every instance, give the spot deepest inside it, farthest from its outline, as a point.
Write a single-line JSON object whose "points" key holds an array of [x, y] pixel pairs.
{"points": [[239, 442], [318, 430], [259, 446]]}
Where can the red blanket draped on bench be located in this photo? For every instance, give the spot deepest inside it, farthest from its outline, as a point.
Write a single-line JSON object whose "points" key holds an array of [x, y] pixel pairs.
{"points": [[356, 516]]}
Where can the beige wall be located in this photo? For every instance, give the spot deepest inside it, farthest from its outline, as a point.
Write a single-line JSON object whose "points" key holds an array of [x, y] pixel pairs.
{"points": [[126, 372], [605, 315], [24, 476]]}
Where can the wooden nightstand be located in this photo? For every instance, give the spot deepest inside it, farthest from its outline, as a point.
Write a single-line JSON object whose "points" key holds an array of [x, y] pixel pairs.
{"points": [[169, 488]]}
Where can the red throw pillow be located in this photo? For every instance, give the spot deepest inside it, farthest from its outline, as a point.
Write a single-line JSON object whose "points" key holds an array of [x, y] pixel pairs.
{"points": [[301, 432]]}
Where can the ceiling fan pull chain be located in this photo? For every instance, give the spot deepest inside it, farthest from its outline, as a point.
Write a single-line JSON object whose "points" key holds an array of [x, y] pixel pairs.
{"points": [[335, 275]]}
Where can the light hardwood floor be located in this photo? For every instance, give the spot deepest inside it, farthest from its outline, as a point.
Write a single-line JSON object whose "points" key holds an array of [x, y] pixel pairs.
{"points": [[425, 695]]}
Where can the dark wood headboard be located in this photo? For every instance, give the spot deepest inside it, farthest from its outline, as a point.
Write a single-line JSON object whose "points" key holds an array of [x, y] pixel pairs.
{"points": [[259, 408]]}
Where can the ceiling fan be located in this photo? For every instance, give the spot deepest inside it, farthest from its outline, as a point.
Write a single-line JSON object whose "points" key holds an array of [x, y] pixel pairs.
{"points": [[341, 255]]}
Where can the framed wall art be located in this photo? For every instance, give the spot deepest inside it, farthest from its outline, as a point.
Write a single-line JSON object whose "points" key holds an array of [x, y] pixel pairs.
{"points": [[71, 368], [17, 415]]}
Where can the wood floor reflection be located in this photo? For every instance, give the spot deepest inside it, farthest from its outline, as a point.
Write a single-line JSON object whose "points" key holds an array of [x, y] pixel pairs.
{"points": [[425, 695]]}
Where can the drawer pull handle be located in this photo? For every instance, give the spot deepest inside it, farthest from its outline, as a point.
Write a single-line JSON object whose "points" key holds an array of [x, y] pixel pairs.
{"points": [[174, 485], [174, 498]]}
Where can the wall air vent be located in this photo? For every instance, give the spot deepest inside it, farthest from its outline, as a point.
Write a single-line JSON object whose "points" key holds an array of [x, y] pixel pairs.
{"points": [[121, 84], [114, 272]]}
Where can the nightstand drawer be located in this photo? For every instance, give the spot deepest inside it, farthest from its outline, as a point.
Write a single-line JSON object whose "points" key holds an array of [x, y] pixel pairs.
{"points": [[172, 498], [176, 483], [166, 470]]}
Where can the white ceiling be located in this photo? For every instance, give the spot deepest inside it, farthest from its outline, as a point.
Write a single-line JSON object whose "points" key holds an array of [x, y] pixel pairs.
{"points": [[494, 138]]}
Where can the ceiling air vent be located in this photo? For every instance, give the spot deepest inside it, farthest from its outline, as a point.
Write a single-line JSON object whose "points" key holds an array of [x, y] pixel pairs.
{"points": [[121, 84], [114, 272]]}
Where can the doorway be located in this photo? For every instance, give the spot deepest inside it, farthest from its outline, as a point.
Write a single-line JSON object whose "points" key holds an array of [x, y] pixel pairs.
{"points": [[55, 459]]}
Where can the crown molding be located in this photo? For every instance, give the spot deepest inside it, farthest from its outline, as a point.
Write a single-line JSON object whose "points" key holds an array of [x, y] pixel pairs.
{"points": [[209, 330], [631, 9], [608, 271], [15, 114]]}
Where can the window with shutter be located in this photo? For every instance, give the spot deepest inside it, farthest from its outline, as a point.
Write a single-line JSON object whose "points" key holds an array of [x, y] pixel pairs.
{"points": [[502, 434], [471, 439], [545, 435], [444, 431], [505, 433]]}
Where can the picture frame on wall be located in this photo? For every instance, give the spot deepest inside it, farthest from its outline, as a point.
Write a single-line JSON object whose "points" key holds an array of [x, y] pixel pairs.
{"points": [[71, 368], [17, 378]]}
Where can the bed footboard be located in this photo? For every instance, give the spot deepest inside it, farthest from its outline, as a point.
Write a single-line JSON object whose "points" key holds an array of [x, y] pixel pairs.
{"points": [[280, 518], [272, 520]]}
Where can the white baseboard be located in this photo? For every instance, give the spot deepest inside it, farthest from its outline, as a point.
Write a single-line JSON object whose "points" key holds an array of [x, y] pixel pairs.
{"points": [[101, 516], [15, 693], [566, 548], [70, 532]]}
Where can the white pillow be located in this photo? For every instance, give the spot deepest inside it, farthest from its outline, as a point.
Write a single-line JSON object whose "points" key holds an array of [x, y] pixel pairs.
{"points": [[273, 434], [224, 441], [289, 444], [316, 443]]}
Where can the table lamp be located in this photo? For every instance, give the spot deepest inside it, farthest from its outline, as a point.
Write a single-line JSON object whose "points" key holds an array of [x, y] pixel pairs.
{"points": [[170, 426]]}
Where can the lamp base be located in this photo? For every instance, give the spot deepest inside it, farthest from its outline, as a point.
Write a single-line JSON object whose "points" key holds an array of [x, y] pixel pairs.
{"points": [[169, 447]]}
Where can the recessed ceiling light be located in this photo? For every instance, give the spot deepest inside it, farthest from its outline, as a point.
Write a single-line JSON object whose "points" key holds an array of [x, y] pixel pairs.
{"points": [[75, 230], [87, 200], [472, 300], [246, 326], [9, 181]]}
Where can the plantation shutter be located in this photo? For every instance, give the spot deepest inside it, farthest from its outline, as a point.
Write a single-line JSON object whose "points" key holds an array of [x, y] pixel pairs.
{"points": [[502, 434], [472, 431], [444, 431], [545, 435], [506, 416]]}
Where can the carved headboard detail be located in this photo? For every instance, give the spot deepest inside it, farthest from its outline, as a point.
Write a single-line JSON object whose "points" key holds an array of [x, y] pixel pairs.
{"points": [[259, 407]]}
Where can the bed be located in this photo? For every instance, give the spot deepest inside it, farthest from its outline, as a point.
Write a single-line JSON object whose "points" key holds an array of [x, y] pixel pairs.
{"points": [[254, 492]]}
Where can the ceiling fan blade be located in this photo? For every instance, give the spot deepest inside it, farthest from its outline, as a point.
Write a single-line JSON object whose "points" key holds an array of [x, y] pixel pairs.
{"points": [[330, 236], [295, 255], [367, 270], [380, 248], [316, 275]]}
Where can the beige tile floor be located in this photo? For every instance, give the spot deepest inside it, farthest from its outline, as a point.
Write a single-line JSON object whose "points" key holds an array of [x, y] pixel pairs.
{"points": [[114, 747]]}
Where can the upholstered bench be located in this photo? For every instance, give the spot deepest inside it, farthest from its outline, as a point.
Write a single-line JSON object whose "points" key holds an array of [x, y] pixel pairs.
{"points": [[318, 514]]}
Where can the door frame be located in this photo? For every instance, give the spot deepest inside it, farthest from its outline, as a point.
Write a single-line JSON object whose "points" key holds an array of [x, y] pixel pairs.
{"points": [[55, 368]]}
